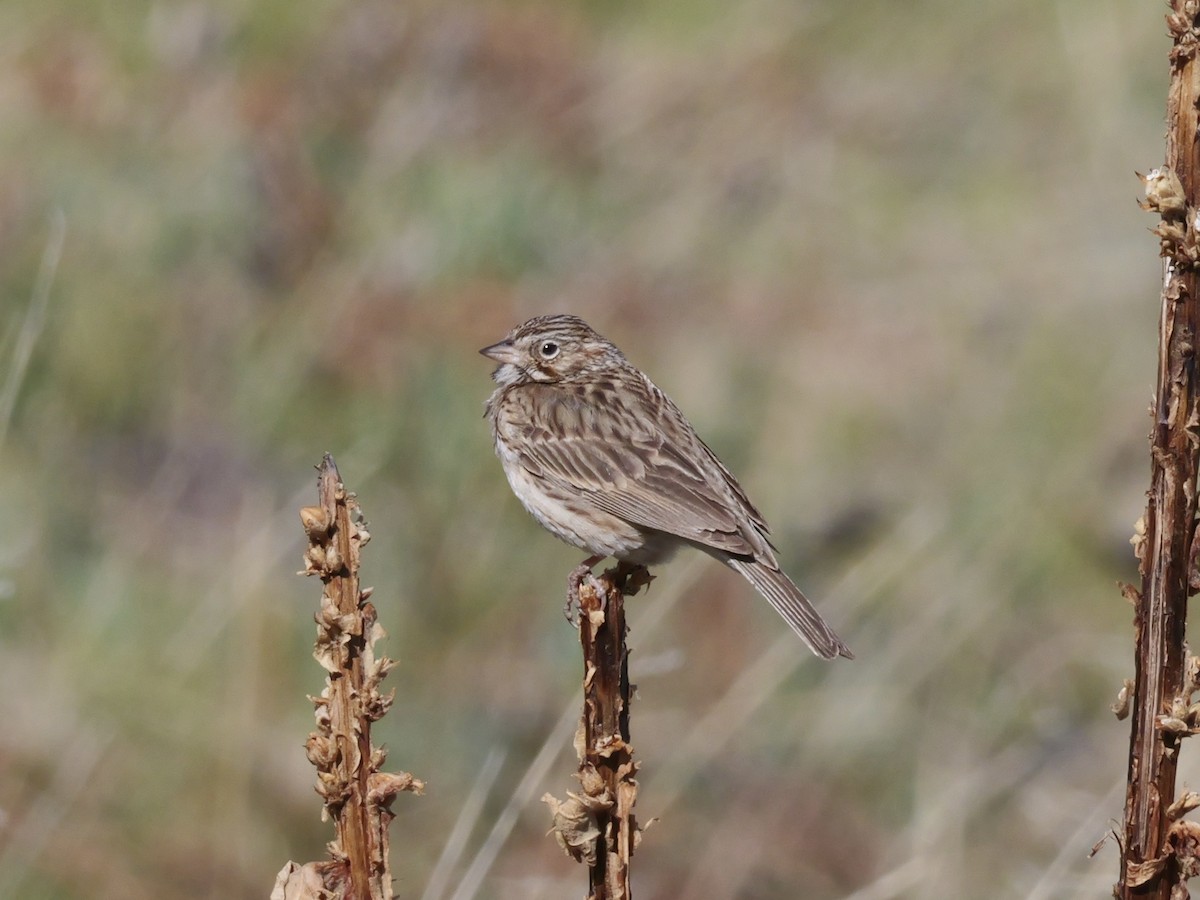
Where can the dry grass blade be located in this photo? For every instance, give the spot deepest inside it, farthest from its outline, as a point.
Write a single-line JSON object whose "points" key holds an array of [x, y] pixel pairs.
{"points": [[357, 794], [468, 817], [35, 316]]}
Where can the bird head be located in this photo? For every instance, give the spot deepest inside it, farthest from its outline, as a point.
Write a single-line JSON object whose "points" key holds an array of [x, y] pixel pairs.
{"points": [[550, 349]]}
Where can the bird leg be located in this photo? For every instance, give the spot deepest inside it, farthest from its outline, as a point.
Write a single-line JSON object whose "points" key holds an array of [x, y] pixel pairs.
{"points": [[580, 574]]}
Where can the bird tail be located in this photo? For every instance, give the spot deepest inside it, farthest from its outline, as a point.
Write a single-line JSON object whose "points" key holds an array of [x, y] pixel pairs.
{"points": [[790, 603]]}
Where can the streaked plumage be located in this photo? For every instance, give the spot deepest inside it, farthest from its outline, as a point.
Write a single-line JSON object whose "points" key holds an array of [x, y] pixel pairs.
{"points": [[605, 461]]}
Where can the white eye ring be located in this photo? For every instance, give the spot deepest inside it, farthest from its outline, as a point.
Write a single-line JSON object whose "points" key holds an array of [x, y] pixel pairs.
{"points": [[548, 349]]}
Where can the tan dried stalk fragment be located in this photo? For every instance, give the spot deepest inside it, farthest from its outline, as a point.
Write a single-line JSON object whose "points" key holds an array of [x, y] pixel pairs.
{"points": [[357, 795], [597, 826], [1158, 852]]}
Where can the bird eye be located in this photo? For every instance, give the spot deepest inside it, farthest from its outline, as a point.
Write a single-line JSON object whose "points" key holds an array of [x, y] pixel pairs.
{"points": [[548, 350]]}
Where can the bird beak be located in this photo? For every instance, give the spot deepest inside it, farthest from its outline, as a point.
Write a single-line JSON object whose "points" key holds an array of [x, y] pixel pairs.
{"points": [[503, 352]]}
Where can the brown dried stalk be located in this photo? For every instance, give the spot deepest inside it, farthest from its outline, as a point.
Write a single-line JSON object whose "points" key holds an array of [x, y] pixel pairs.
{"points": [[357, 795], [597, 827], [1159, 848]]}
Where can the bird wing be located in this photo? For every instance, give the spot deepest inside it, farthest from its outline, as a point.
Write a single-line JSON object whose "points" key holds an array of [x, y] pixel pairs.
{"points": [[634, 455]]}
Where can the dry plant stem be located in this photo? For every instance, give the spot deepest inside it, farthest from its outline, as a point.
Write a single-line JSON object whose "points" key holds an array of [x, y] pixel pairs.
{"points": [[598, 827], [357, 794], [607, 752], [1156, 859]]}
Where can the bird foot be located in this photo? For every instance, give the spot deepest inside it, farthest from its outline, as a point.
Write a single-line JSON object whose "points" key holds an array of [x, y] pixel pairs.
{"points": [[580, 574]]}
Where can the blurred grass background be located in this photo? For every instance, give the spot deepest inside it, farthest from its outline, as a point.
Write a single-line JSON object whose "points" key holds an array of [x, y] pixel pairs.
{"points": [[888, 259]]}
